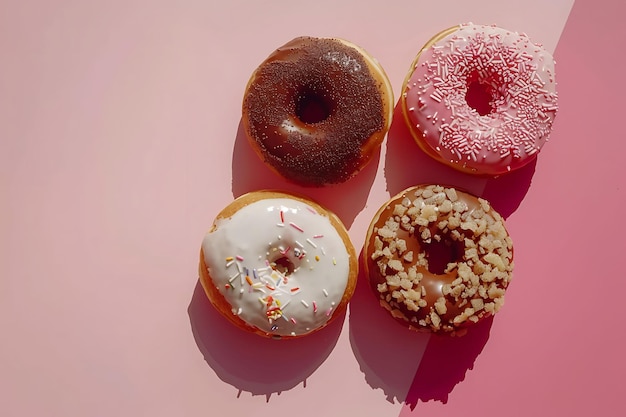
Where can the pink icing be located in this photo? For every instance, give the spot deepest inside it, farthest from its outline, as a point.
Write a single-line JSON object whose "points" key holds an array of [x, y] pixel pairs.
{"points": [[483, 98]]}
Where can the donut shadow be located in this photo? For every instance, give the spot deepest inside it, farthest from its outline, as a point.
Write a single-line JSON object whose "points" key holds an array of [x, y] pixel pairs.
{"points": [[346, 200], [505, 192], [421, 367], [247, 361], [387, 352], [445, 364]]}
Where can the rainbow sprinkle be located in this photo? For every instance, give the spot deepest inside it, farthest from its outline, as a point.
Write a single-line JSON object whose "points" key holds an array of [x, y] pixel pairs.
{"points": [[295, 226]]}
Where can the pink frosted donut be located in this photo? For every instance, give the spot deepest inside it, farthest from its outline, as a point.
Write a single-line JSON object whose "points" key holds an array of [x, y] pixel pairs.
{"points": [[481, 99]]}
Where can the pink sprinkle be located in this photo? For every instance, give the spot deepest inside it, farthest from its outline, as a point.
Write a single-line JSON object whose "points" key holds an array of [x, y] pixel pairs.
{"points": [[295, 226], [293, 320], [328, 312], [317, 236], [314, 307], [239, 258], [282, 217]]}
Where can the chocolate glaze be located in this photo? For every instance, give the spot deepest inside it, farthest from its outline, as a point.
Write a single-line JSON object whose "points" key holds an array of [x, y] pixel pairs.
{"points": [[335, 76]]}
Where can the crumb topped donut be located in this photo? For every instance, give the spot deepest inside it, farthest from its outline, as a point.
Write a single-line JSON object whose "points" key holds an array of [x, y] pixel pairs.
{"points": [[481, 99], [439, 259], [278, 265], [317, 109]]}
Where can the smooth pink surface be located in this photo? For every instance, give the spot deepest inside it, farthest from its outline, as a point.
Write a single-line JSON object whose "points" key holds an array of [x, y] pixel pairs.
{"points": [[120, 141]]}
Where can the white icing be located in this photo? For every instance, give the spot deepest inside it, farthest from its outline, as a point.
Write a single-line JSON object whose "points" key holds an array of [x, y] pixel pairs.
{"points": [[240, 251]]}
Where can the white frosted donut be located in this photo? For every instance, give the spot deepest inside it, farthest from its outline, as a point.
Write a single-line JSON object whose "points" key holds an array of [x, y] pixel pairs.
{"points": [[278, 265], [481, 99]]}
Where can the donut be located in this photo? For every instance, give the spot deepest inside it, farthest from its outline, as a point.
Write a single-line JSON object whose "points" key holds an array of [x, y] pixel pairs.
{"points": [[278, 265], [317, 109], [438, 258], [481, 99]]}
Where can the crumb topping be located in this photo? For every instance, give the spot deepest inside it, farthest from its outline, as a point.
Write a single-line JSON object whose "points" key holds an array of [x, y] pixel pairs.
{"points": [[470, 287]]}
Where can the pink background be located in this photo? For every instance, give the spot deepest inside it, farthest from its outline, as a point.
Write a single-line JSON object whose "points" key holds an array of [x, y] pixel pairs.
{"points": [[120, 141]]}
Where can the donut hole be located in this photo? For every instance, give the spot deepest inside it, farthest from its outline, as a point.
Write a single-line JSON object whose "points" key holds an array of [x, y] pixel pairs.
{"points": [[440, 253], [312, 107], [481, 93], [479, 97], [284, 265]]}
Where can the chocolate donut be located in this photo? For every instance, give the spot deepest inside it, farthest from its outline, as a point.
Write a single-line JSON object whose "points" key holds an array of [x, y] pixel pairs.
{"points": [[317, 109]]}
